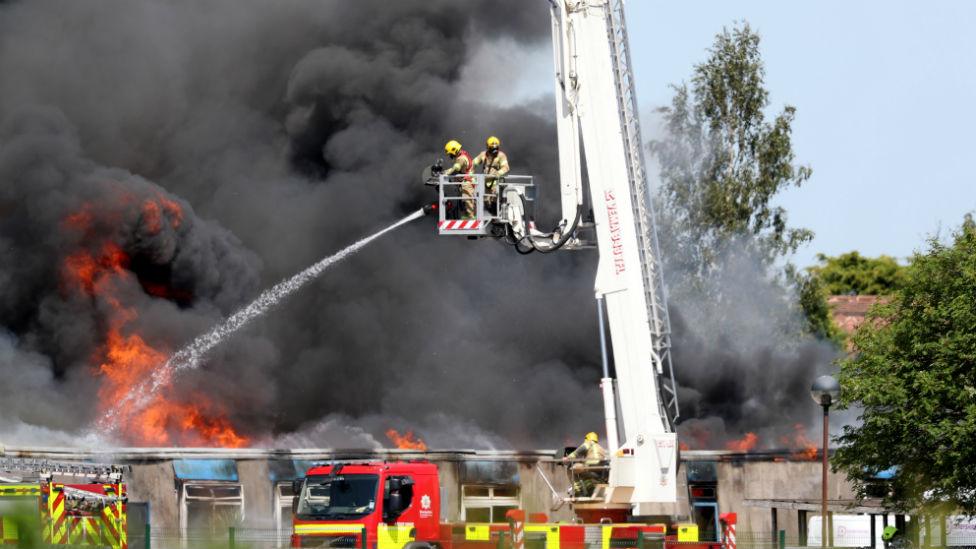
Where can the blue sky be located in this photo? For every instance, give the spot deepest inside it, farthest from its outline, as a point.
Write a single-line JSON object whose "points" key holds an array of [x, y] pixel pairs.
{"points": [[886, 107]]}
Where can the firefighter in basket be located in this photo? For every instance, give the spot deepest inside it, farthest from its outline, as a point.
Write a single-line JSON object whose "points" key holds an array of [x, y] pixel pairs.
{"points": [[589, 467], [463, 165], [494, 164]]}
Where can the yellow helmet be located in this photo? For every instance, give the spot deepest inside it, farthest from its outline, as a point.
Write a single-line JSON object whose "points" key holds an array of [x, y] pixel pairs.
{"points": [[592, 437], [493, 142], [452, 148]]}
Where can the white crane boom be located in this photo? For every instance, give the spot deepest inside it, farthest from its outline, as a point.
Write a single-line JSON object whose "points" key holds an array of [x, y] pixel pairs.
{"points": [[596, 117], [595, 101]]}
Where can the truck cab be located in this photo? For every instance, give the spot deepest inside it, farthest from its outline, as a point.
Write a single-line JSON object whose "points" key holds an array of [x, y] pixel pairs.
{"points": [[384, 505]]}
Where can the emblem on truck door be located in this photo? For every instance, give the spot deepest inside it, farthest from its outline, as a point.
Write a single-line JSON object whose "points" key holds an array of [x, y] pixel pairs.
{"points": [[425, 511]]}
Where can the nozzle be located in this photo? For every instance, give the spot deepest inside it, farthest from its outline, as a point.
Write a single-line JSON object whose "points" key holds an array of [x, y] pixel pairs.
{"points": [[428, 208]]}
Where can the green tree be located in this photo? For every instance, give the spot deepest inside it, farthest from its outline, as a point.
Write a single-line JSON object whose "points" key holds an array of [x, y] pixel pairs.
{"points": [[914, 377], [853, 273], [722, 163], [812, 302]]}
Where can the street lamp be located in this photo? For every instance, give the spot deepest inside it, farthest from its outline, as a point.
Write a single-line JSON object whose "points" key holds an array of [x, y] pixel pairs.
{"points": [[825, 390]]}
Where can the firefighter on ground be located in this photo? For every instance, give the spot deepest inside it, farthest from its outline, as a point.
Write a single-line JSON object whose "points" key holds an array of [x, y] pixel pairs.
{"points": [[893, 538], [593, 456], [494, 164], [463, 165]]}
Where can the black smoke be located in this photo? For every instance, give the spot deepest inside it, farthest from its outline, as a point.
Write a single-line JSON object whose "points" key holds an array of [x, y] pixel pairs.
{"points": [[284, 131]]}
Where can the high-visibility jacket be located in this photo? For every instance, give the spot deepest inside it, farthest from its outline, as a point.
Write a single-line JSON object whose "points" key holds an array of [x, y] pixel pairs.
{"points": [[592, 451], [496, 164], [462, 165]]}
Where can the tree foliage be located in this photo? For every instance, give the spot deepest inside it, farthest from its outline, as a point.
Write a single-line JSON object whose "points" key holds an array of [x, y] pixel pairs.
{"points": [[914, 376], [812, 296], [722, 162], [852, 273]]}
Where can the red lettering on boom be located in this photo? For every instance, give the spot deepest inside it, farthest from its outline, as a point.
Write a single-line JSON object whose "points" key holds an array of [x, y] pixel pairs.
{"points": [[616, 239]]}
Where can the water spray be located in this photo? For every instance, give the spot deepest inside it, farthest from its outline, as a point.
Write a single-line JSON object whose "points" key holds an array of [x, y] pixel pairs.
{"points": [[190, 356]]}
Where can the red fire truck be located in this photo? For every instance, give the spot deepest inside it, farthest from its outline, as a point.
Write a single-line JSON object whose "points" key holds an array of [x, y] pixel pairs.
{"points": [[396, 505]]}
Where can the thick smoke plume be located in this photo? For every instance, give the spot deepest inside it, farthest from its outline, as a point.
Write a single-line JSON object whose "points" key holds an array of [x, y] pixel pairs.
{"points": [[162, 162], [281, 133], [744, 360]]}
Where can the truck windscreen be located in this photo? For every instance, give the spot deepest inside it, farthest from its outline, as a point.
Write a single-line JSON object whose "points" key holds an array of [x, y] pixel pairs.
{"points": [[342, 497]]}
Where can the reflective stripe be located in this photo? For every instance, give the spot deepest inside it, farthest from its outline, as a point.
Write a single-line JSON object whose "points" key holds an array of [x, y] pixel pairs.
{"points": [[106, 528], [8, 530], [18, 490], [477, 532], [550, 530], [329, 528], [607, 533], [396, 536], [459, 224]]}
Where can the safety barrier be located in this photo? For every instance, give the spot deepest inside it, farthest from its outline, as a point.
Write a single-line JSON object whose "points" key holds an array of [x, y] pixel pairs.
{"points": [[467, 204]]}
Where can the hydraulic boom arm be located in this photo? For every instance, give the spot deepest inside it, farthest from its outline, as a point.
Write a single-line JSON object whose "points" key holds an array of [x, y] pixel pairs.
{"points": [[596, 111]]}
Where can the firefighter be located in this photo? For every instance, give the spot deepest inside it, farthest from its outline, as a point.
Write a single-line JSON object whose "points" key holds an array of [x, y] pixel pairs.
{"points": [[588, 473], [494, 164], [590, 450], [893, 538], [462, 166]]}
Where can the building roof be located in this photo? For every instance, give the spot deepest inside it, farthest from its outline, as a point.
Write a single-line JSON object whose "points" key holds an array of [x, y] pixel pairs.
{"points": [[849, 310], [848, 506], [308, 455]]}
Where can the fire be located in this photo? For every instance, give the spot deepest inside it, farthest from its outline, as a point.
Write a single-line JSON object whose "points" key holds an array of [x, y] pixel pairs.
{"points": [[153, 212], [126, 358], [808, 449], [84, 270], [744, 444], [406, 441], [173, 211], [152, 217], [81, 220], [165, 422]]}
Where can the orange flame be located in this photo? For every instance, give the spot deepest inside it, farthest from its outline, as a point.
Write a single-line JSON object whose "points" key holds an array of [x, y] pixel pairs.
{"points": [[744, 444], [173, 211], [808, 450], [126, 359], [152, 217], [153, 210], [84, 270], [406, 441]]}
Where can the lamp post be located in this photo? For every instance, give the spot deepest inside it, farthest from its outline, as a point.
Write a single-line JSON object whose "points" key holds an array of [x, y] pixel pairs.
{"points": [[825, 390]]}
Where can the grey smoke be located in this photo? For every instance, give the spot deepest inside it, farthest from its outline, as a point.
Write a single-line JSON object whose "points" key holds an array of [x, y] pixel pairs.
{"points": [[744, 361], [286, 131]]}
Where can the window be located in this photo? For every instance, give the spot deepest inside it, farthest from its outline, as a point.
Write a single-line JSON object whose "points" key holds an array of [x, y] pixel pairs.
{"points": [[328, 497], [487, 503], [209, 509]]}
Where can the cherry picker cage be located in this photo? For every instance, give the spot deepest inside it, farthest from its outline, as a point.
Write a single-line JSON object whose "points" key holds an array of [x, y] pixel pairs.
{"points": [[483, 205]]}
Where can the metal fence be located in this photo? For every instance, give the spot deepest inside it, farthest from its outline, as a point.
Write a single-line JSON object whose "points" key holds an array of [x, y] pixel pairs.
{"points": [[239, 537]]}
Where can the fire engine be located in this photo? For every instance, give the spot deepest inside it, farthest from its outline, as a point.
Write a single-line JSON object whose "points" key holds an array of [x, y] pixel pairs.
{"points": [[394, 505], [89, 513]]}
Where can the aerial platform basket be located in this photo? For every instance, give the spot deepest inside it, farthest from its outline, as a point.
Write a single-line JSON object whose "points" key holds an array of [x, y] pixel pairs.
{"points": [[497, 203]]}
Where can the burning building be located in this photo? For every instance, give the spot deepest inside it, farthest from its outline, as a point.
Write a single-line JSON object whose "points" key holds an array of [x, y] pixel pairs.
{"points": [[196, 493]]}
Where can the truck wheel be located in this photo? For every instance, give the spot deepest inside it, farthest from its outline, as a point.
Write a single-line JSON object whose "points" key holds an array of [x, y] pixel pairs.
{"points": [[418, 545]]}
